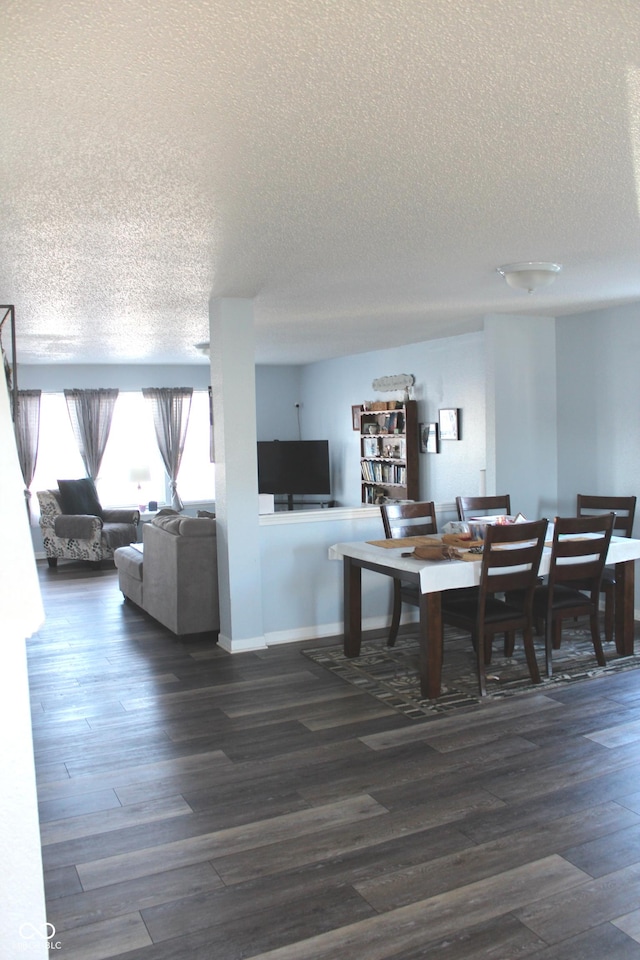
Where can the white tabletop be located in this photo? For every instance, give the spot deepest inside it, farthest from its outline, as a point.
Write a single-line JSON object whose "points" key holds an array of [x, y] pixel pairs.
{"points": [[437, 575]]}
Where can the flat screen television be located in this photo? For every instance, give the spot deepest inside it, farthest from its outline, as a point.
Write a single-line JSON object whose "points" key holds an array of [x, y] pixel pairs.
{"points": [[293, 466]]}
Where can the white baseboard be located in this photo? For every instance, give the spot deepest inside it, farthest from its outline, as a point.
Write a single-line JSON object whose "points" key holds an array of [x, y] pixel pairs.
{"points": [[299, 634], [319, 632], [241, 646]]}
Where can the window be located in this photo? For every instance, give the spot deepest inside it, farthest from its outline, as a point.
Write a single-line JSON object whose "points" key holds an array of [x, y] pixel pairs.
{"points": [[131, 446], [58, 457], [196, 480]]}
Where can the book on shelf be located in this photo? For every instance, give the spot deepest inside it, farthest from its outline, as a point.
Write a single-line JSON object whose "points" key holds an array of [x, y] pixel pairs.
{"points": [[379, 471], [393, 422]]}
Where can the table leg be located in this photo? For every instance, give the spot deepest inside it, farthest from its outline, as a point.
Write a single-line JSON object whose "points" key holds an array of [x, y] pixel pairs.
{"points": [[430, 645], [352, 588], [625, 595]]}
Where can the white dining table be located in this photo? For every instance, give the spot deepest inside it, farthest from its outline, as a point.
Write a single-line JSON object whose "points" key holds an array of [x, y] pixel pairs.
{"points": [[434, 577]]}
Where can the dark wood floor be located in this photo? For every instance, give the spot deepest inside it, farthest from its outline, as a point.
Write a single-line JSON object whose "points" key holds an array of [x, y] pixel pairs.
{"points": [[202, 806]]}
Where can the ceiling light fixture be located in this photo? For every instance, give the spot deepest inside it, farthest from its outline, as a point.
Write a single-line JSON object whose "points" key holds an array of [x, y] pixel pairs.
{"points": [[530, 275], [204, 347]]}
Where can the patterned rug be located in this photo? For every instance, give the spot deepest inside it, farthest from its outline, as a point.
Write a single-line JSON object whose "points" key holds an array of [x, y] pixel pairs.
{"points": [[391, 674]]}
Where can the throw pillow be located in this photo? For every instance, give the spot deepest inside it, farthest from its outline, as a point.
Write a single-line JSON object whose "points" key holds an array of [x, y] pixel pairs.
{"points": [[79, 496]]}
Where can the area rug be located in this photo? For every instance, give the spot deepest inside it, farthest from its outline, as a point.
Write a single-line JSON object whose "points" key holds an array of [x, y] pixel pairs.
{"points": [[391, 673]]}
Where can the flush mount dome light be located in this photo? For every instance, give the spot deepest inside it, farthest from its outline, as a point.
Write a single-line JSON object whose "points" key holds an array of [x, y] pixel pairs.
{"points": [[530, 275]]}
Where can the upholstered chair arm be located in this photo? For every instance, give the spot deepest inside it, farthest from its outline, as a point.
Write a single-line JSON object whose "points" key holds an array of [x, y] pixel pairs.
{"points": [[49, 507], [77, 526], [121, 516]]}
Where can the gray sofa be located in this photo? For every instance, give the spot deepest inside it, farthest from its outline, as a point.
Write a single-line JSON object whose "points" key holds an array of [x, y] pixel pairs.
{"points": [[175, 576]]}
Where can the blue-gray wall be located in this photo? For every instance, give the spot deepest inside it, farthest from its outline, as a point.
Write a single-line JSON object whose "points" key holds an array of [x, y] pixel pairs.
{"points": [[448, 373], [550, 408], [277, 392], [521, 405], [598, 382], [57, 377]]}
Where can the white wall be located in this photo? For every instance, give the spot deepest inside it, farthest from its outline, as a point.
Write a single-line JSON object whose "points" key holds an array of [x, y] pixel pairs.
{"points": [[277, 392], [302, 587], [549, 407], [448, 373], [598, 357], [522, 445], [21, 885], [277, 387], [552, 402], [56, 377]]}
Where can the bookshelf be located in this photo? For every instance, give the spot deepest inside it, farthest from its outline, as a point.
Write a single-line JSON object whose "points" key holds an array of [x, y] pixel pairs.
{"points": [[389, 451]]}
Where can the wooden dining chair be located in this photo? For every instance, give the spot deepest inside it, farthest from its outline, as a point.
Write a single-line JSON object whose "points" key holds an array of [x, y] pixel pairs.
{"points": [[578, 554], [624, 509], [400, 520], [503, 602], [481, 506]]}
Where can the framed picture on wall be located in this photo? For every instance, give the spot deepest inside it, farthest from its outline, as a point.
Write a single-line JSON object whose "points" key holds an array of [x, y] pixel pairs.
{"points": [[429, 438], [449, 423], [355, 417]]}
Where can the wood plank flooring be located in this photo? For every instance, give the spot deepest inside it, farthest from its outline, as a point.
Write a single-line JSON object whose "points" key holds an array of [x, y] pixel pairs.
{"points": [[202, 806]]}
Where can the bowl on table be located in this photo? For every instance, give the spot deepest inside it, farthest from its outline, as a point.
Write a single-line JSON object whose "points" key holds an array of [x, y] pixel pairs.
{"points": [[478, 525]]}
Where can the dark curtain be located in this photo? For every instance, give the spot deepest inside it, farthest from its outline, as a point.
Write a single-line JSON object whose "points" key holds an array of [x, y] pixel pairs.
{"points": [[90, 412], [171, 407], [27, 430]]}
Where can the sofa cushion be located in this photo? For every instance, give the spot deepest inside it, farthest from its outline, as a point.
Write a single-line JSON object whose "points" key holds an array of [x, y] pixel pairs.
{"points": [[119, 534], [197, 527], [185, 526], [79, 497], [129, 561], [169, 522], [120, 515]]}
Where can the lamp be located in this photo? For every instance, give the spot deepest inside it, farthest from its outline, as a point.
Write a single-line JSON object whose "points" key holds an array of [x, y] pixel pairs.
{"points": [[530, 275], [140, 475]]}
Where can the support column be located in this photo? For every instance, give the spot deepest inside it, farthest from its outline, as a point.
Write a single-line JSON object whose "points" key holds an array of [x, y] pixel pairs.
{"points": [[233, 390], [521, 412]]}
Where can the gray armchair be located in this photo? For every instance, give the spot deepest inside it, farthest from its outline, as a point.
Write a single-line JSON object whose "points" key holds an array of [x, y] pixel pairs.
{"points": [[83, 536]]}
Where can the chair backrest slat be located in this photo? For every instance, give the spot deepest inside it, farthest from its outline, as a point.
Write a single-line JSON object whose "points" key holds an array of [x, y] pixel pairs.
{"points": [[511, 558], [416, 519], [579, 550], [623, 507], [481, 506]]}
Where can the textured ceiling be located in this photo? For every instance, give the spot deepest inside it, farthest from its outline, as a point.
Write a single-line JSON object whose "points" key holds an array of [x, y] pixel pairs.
{"points": [[359, 167]]}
